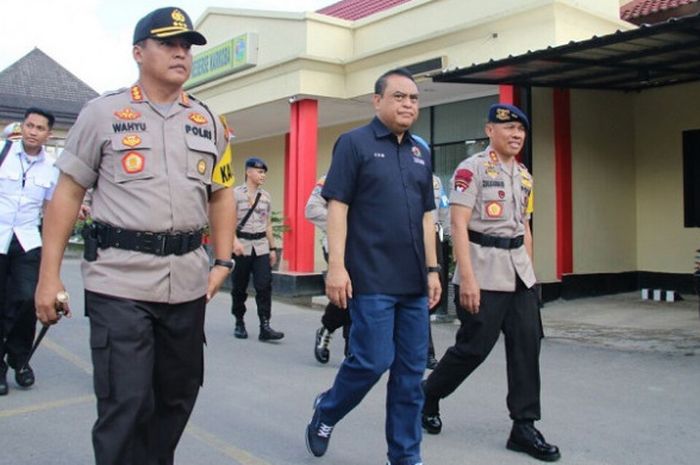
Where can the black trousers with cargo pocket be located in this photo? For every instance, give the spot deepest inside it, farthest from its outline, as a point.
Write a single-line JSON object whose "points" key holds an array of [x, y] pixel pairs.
{"points": [[148, 367], [517, 316]]}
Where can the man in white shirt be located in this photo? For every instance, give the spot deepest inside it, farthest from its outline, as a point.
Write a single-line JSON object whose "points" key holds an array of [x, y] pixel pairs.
{"points": [[27, 182]]}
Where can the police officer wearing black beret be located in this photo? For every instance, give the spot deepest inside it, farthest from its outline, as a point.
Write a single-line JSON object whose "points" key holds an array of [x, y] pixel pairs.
{"points": [[156, 160], [255, 251], [490, 207]]}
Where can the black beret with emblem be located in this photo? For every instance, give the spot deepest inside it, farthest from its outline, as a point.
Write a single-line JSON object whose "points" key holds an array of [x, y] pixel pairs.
{"points": [[164, 23], [505, 113], [255, 162]]}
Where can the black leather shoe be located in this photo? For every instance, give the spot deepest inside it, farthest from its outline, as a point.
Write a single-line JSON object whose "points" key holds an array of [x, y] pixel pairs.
{"points": [[4, 388], [524, 437], [267, 333], [25, 376], [432, 362], [432, 424], [240, 331]]}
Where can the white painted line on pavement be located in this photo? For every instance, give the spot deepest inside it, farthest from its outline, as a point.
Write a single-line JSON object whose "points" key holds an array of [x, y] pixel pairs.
{"points": [[69, 356], [241, 456], [47, 406]]}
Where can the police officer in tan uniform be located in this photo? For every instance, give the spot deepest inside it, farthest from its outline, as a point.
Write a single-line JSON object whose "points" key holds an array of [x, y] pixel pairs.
{"points": [[333, 317], [494, 279], [156, 160], [258, 253]]}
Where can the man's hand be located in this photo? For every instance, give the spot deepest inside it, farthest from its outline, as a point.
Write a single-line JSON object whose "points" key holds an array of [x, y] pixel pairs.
{"points": [[470, 295], [45, 301], [238, 247], [84, 212], [217, 276], [338, 286], [273, 257], [434, 289]]}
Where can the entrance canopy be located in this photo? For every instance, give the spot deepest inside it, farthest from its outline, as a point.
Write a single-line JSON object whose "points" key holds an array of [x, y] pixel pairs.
{"points": [[648, 57]]}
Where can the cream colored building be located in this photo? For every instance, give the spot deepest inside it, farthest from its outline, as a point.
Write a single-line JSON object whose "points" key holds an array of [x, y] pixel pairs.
{"points": [[298, 80]]}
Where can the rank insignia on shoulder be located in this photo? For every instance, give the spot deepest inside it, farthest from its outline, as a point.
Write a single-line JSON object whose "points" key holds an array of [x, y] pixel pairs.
{"points": [[127, 114], [201, 166], [198, 118], [133, 162], [131, 141], [136, 94]]}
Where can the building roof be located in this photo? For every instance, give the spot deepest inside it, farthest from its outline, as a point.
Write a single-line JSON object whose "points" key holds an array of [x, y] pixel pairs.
{"points": [[641, 11], [357, 9], [650, 56], [38, 80]]}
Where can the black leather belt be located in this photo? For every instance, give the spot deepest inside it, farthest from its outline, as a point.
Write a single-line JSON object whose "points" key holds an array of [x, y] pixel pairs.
{"points": [[175, 243], [485, 240], [251, 236]]}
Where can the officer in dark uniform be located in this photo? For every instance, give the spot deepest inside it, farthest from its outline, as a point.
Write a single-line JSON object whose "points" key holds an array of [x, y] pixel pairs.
{"points": [[257, 252], [159, 165], [494, 281]]}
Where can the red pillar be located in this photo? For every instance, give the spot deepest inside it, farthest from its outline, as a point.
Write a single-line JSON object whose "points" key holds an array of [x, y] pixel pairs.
{"points": [[562, 170], [300, 178], [507, 94]]}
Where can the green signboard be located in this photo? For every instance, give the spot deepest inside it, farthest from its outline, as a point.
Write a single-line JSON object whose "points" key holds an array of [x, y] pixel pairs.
{"points": [[232, 56]]}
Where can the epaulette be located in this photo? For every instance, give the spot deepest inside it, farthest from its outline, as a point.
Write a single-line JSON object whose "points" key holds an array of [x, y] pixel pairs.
{"points": [[111, 93]]}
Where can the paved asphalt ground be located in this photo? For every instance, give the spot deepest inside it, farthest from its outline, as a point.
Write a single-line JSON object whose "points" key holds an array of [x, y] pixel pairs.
{"points": [[620, 385]]}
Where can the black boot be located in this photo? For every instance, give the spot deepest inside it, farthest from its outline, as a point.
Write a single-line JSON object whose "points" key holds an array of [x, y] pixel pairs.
{"points": [[267, 333], [3, 381], [524, 437], [240, 331]]}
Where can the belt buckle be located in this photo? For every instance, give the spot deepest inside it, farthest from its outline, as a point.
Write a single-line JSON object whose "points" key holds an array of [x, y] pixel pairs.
{"points": [[503, 242], [153, 243]]}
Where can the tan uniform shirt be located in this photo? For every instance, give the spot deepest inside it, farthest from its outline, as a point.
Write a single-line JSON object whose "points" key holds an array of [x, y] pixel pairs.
{"points": [[498, 196], [316, 210], [150, 172], [258, 221]]}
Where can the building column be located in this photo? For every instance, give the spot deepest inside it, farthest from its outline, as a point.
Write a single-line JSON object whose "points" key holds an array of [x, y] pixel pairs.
{"points": [[508, 94], [299, 180], [562, 173]]}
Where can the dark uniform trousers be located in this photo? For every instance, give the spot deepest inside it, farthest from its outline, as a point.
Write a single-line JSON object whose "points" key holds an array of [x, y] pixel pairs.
{"points": [[517, 315], [148, 368], [19, 271], [335, 317], [259, 265]]}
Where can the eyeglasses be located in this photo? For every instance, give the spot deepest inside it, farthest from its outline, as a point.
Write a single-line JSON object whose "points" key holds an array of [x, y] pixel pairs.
{"points": [[400, 97]]}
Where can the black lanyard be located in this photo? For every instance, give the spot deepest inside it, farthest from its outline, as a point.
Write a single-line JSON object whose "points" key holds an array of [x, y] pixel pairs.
{"points": [[24, 172]]}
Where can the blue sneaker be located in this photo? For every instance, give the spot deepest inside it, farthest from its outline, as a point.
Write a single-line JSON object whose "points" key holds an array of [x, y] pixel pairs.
{"points": [[318, 434]]}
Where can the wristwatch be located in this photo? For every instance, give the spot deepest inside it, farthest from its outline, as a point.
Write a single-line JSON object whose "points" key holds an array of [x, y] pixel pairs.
{"points": [[434, 269], [225, 263]]}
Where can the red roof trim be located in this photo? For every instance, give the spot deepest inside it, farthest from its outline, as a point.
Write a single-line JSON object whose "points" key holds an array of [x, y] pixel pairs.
{"points": [[353, 10], [638, 8]]}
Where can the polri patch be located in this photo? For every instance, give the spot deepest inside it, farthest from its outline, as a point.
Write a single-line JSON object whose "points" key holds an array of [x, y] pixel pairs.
{"points": [[463, 178], [133, 162]]}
